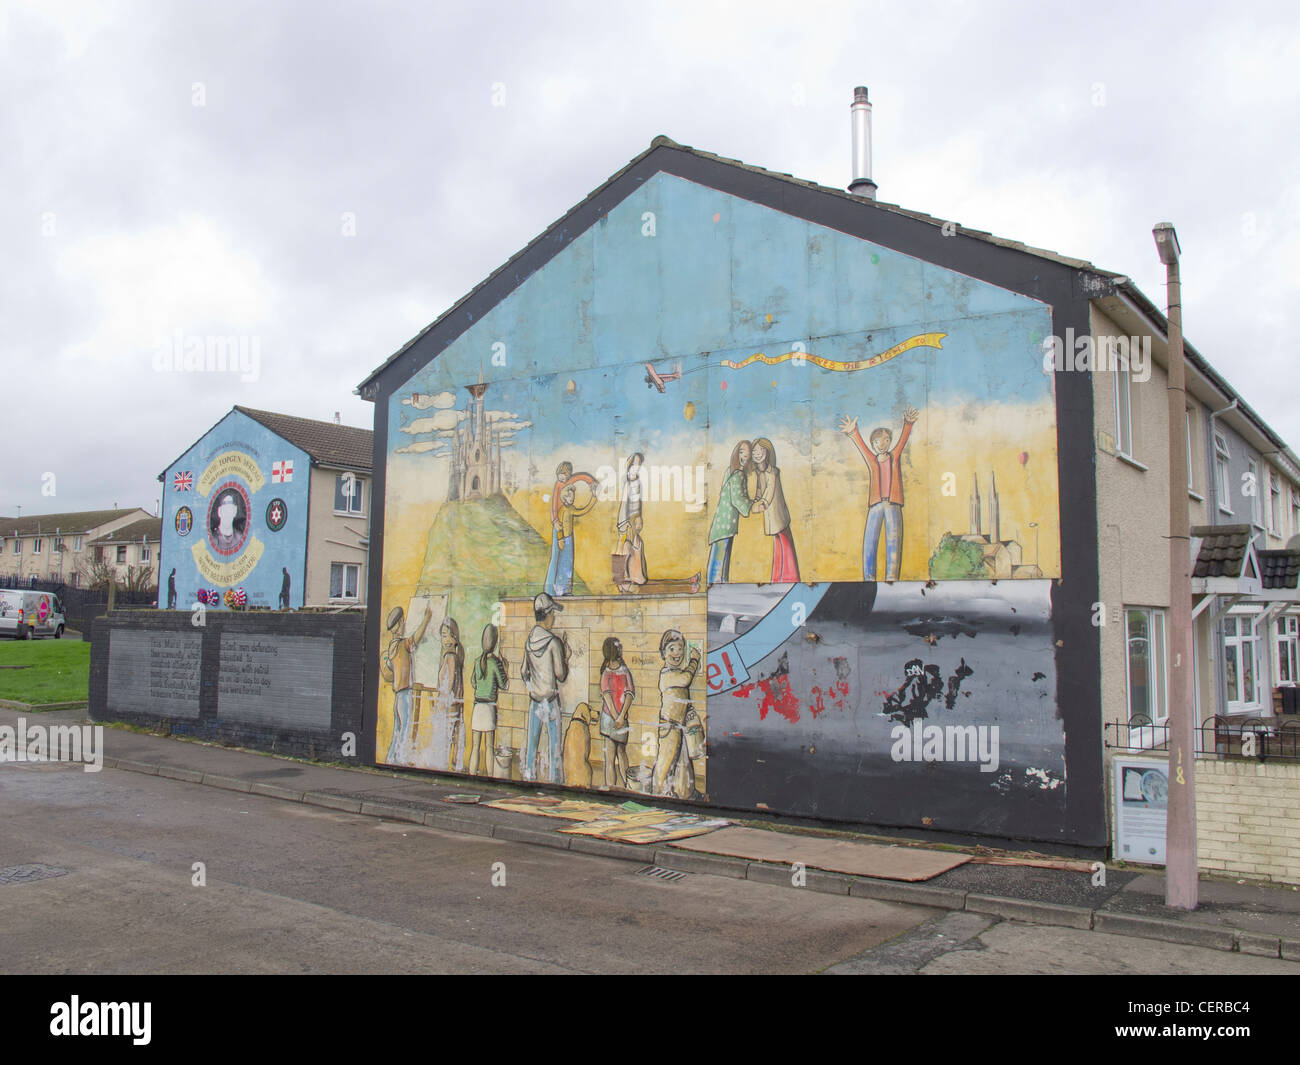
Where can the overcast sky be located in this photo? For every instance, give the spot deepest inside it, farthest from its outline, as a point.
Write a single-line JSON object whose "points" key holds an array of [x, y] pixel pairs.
{"points": [[192, 167]]}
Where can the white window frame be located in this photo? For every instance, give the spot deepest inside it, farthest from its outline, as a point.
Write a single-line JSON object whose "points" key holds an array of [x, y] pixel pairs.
{"points": [[1274, 503], [1191, 481], [1256, 500], [1295, 510], [144, 552], [119, 556], [36, 545], [343, 582], [1286, 649], [1233, 646], [1143, 736], [1222, 472], [1123, 412], [18, 545], [358, 499], [76, 543]]}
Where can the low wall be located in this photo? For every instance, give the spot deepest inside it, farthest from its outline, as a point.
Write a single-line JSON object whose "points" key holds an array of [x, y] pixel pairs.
{"points": [[1248, 818], [283, 682]]}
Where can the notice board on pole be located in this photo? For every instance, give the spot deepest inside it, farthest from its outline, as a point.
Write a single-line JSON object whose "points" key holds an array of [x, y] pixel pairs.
{"points": [[1141, 790]]}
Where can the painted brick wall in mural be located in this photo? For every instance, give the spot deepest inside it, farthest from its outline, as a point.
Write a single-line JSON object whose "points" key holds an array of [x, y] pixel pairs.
{"points": [[795, 496], [235, 520]]}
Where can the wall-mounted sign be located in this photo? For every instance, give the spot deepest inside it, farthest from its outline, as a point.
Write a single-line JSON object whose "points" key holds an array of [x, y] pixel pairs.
{"points": [[1141, 789]]}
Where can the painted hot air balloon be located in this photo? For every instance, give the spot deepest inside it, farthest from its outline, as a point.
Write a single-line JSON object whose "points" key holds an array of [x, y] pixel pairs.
{"points": [[1024, 457]]}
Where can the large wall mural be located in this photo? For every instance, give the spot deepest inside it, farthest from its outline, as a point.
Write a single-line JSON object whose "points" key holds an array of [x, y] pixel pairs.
{"points": [[235, 520], [791, 498]]}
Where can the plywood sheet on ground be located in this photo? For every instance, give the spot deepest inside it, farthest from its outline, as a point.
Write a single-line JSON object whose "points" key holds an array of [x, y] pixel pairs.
{"points": [[568, 809], [646, 826], [832, 855]]}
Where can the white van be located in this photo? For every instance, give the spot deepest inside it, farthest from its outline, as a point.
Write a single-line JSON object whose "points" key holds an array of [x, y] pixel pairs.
{"points": [[24, 614]]}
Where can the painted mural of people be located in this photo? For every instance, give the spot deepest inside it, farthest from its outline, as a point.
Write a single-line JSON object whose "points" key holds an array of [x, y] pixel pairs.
{"points": [[776, 515], [733, 504], [633, 552], [884, 493], [563, 552], [449, 710], [395, 667], [284, 588], [617, 690], [675, 679], [545, 668], [630, 497], [171, 590], [490, 676]]}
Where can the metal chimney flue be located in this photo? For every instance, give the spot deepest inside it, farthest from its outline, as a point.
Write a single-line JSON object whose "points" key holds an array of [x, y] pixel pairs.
{"points": [[860, 115]]}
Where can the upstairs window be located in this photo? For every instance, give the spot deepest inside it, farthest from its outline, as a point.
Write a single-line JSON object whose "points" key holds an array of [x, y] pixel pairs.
{"points": [[1123, 411], [1222, 482], [348, 492]]}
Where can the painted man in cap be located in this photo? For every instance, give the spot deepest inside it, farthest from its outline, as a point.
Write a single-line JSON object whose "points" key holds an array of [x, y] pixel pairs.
{"points": [[545, 668], [396, 668]]}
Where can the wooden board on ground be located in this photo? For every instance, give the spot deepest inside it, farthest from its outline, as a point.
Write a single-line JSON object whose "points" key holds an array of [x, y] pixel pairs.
{"points": [[646, 826], [832, 855], [568, 809]]}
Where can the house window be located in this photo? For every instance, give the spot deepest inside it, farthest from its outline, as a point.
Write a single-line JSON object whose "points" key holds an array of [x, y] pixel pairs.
{"points": [[1191, 481], [1222, 484], [75, 579], [144, 552], [1256, 490], [18, 545], [348, 489], [1123, 411], [76, 543], [1145, 635], [1274, 504], [1241, 663], [345, 579], [36, 546], [1295, 511], [58, 543], [1288, 644], [121, 553]]}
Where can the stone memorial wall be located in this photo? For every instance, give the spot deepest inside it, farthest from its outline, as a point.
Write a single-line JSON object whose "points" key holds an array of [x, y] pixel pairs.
{"points": [[284, 682]]}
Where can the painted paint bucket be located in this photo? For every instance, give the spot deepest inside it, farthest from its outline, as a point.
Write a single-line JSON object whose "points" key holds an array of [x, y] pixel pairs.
{"points": [[502, 757]]}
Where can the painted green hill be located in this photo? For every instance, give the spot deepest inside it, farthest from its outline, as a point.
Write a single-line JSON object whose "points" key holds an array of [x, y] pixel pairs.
{"points": [[488, 542]]}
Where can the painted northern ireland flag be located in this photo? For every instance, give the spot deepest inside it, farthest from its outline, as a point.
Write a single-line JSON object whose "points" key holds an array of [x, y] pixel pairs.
{"points": [[282, 471], [183, 481]]}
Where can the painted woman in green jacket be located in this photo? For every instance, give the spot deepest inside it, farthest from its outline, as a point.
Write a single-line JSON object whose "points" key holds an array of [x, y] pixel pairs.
{"points": [[733, 504]]}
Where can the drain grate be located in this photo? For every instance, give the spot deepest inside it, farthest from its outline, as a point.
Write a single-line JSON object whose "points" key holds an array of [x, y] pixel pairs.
{"points": [[656, 873], [23, 874]]}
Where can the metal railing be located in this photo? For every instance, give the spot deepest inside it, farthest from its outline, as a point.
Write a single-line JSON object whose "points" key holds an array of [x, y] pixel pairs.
{"points": [[1261, 739]]}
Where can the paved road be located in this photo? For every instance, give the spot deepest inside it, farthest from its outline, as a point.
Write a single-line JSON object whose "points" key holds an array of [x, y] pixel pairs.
{"points": [[294, 888]]}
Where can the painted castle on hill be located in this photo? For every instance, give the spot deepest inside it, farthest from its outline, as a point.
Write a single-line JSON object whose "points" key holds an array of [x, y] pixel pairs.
{"points": [[981, 554]]}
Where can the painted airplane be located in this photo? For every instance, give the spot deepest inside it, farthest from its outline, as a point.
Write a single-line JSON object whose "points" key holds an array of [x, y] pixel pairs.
{"points": [[655, 379]]}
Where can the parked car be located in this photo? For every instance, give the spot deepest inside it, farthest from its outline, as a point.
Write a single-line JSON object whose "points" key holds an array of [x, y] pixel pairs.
{"points": [[24, 614]]}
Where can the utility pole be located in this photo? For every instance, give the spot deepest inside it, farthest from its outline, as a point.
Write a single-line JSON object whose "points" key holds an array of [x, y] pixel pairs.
{"points": [[1181, 884]]}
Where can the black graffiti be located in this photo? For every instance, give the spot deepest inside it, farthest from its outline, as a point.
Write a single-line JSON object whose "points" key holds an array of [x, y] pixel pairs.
{"points": [[922, 685]]}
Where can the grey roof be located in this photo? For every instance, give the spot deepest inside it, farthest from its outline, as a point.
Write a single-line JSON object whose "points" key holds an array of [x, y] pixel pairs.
{"points": [[144, 529], [325, 442], [68, 523], [1279, 569], [1223, 550]]}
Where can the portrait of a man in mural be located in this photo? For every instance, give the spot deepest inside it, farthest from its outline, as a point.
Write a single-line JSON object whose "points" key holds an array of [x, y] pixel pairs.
{"points": [[545, 668], [884, 492], [228, 520], [395, 667]]}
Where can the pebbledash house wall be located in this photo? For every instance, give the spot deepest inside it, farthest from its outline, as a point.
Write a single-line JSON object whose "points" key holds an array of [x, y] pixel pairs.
{"points": [[692, 265]]}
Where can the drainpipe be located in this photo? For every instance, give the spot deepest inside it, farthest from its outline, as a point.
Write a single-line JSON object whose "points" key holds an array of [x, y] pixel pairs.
{"points": [[1181, 884]]}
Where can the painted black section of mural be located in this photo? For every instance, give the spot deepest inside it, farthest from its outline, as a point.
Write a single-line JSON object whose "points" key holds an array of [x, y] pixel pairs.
{"points": [[896, 704]]}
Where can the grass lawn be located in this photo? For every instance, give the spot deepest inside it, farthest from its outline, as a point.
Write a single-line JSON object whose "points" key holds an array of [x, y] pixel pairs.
{"points": [[59, 673]]}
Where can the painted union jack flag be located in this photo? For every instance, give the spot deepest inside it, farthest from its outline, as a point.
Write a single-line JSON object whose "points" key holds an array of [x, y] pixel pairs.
{"points": [[183, 481], [282, 471]]}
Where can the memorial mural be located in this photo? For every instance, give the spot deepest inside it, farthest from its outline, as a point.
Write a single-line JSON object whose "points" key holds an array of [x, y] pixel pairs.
{"points": [[235, 520], [790, 493]]}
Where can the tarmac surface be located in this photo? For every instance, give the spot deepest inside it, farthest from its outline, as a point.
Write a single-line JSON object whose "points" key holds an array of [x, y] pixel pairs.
{"points": [[279, 835]]}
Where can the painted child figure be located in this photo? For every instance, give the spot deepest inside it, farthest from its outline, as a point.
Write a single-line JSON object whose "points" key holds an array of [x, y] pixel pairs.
{"points": [[569, 512], [675, 681], [488, 679], [616, 691]]}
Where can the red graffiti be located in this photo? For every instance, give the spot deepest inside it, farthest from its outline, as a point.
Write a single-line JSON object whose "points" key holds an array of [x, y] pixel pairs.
{"points": [[836, 693]]}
